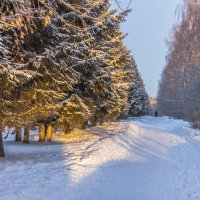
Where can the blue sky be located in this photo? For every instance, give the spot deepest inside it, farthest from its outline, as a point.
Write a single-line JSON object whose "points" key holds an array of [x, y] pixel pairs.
{"points": [[148, 26]]}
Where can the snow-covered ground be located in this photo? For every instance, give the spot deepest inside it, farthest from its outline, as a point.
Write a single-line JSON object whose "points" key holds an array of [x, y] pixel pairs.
{"points": [[142, 159]]}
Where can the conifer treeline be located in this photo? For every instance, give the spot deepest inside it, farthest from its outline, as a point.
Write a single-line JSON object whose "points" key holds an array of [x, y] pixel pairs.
{"points": [[63, 64], [179, 93]]}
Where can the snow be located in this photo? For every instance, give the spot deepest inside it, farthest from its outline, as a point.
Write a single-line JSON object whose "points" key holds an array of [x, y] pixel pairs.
{"points": [[141, 158]]}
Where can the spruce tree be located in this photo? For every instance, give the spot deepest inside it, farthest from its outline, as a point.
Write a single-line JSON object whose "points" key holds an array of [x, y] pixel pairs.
{"points": [[138, 98], [107, 88]]}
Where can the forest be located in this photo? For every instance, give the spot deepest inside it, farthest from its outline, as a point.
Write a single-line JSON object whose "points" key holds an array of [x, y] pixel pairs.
{"points": [[81, 116], [64, 65], [179, 89]]}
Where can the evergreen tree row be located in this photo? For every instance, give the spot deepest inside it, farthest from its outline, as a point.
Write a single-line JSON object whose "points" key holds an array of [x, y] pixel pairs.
{"points": [[63, 65]]}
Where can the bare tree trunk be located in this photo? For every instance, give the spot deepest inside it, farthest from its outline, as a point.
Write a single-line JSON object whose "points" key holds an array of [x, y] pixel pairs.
{"points": [[2, 153], [26, 136], [49, 132], [42, 135], [18, 137]]}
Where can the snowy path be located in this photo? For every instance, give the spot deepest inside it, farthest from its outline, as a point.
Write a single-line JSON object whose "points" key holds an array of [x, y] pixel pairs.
{"points": [[138, 159]]}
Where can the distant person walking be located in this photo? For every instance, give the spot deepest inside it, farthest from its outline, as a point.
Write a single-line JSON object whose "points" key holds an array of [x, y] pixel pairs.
{"points": [[156, 113]]}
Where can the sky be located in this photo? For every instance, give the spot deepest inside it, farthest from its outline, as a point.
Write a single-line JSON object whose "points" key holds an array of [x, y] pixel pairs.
{"points": [[148, 26]]}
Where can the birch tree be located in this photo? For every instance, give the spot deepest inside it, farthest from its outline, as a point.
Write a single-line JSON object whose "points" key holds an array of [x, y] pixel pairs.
{"points": [[179, 86]]}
